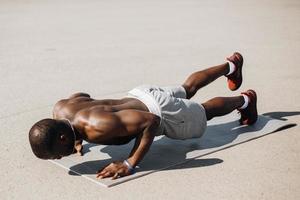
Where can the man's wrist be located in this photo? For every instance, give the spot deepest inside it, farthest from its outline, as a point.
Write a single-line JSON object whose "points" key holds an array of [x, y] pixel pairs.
{"points": [[131, 168]]}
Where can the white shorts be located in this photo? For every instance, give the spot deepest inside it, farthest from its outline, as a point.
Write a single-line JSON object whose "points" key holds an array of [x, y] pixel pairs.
{"points": [[180, 118]]}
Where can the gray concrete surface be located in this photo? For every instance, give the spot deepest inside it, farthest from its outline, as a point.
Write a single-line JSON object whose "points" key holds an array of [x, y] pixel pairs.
{"points": [[50, 49]]}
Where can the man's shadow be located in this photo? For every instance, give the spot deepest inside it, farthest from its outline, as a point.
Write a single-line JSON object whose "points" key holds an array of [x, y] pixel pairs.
{"points": [[168, 152], [281, 115]]}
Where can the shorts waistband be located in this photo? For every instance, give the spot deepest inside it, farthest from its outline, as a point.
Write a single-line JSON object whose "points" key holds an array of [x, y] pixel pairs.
{"points": [[147, 99]]}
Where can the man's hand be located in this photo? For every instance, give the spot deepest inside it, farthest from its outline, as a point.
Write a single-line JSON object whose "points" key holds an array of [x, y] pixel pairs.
{"points": [[115, 170], [78, 147], [147, 124]]}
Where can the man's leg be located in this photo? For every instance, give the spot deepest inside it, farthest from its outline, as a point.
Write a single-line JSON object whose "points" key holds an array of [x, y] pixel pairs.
{"points": [[233, 71], [202, 78], [245, 103], [220, 106]]}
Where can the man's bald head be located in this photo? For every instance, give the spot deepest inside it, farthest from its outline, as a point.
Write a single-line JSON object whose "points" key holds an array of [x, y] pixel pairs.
{"points": [[50, 139]]}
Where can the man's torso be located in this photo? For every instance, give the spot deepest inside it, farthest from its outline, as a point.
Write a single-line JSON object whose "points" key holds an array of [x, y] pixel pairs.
{"points": [[89, 116]]}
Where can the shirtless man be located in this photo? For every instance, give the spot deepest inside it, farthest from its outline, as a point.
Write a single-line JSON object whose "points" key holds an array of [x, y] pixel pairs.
{"points": [[147, 111]]}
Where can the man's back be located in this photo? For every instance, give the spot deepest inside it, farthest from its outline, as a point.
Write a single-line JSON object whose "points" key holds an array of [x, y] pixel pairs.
{"points": [[100, 121]]}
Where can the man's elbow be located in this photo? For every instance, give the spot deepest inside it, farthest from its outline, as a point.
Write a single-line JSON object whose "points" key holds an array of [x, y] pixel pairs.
{"points": [[154, 123], [156, 120]]}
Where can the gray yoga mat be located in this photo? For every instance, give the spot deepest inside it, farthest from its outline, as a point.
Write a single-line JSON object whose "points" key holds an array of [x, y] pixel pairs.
{"points": [[221, 133]]}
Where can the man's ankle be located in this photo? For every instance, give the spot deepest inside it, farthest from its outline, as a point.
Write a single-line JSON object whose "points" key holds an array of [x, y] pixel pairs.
{"points": [[232, 68]]}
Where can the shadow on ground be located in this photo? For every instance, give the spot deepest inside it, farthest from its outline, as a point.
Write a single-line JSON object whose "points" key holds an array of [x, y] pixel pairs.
{"points": [[281, 115], [168, 152]]}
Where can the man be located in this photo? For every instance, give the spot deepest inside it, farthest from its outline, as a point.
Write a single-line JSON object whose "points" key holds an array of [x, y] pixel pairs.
{"points": [[146, 112]]}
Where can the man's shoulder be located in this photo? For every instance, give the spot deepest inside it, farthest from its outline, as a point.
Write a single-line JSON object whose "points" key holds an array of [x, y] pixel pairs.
{"points": [[58, 107], [73, 98], [79, 94]]}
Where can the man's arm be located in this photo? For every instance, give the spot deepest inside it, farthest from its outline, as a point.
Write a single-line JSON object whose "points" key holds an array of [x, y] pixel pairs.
{"points": [[143, 142], [147, 123]]}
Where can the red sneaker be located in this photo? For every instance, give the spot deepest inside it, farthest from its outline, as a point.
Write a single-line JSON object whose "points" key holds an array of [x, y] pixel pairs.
{"points": [[249, 115], [235, 79]]}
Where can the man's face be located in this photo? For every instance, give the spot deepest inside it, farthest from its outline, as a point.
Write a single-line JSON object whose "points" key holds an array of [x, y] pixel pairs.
{"points": [[63, 146]]}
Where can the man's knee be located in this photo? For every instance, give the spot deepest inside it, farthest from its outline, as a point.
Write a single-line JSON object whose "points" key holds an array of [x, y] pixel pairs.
{"points": [[190, 90], [208, 111]]}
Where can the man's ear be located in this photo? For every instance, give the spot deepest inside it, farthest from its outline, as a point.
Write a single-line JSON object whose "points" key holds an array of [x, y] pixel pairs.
{"points": [[63, 137]]}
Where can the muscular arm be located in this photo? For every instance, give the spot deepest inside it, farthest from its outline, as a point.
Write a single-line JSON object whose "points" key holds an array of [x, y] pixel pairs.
{"points": [[144, 141], [146, 124]]}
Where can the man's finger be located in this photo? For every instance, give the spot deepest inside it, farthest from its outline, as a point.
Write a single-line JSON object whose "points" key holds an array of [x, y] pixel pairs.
{"points": [[120, 173], [104, 174], [101, 173], [107, 174], [98, 175], [115, 176]]}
